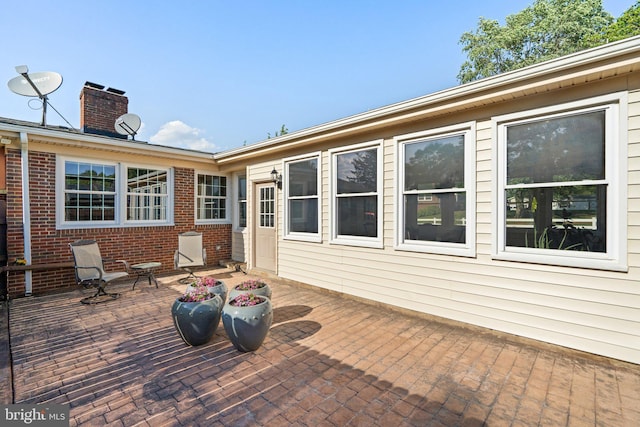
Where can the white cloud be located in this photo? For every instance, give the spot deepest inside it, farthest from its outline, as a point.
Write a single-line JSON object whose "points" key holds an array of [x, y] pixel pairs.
{"points": [[181, 135]]}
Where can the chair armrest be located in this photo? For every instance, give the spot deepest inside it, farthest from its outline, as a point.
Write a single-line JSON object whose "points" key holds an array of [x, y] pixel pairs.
{"points": [[126, 264], [204, 256], [175, 260]]}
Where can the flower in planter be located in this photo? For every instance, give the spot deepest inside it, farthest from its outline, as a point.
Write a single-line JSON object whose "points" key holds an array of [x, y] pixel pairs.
{"points": [[255, 286], [209, 281], [251, 284], [246, 300], [198, 290]]}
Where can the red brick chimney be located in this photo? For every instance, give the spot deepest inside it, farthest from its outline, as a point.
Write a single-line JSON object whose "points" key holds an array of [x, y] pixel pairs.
{"points": [[100, 108]]}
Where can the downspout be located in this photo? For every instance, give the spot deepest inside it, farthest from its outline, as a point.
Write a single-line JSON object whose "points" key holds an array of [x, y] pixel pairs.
{"points": [[26, 212]]}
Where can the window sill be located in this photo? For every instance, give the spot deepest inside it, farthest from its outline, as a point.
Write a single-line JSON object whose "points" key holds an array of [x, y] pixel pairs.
{"points": [[375, 244], [212, 221], [313, 238], [83, 226], [591, 261], [438, 248]]}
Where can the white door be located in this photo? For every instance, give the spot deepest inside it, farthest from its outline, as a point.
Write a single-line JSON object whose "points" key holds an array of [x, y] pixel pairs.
{"points": [[264, 243]]}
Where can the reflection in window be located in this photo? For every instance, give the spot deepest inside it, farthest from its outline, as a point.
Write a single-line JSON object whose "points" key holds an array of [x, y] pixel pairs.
{"points": [[302, 196], [357, 193], [146, 194], [90, 192], [95, 194], [242, 201], [555, 188], [267, 207], [435, 206], [211, 197]]}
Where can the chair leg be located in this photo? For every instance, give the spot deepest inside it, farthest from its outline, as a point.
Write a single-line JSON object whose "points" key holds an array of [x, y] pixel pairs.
{"points": [[188, 279], [95, 298]]}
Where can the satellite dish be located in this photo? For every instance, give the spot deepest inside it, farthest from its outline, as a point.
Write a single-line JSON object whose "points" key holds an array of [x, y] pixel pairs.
{"points": [[44, 82], [36, 84], [128, 124]]}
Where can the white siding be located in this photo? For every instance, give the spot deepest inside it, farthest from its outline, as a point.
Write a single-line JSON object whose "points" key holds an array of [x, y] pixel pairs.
{"points": [[239, 245], [593, 310], [633, 232]]}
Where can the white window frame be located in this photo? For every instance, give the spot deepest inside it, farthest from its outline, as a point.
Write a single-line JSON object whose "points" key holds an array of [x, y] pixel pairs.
{"points": [[347, 240], [227, 199], [615, 257], [303, 236], [120, 215], [149, 193], [236, 200], [467, 249]]}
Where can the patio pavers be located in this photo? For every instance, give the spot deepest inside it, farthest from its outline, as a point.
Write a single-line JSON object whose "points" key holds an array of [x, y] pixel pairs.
{"points": [[6, 395], [328, 360]]}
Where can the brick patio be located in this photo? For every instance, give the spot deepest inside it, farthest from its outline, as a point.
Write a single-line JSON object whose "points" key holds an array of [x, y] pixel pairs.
{"points": [[328, 360]]}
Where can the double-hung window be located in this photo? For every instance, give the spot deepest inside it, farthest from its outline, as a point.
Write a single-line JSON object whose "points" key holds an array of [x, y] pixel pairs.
{"points": [[147, 194], [89, 192], [242, 201], [561, 185], [302, 189], [356, 174], [211, 198], [436, 197], [93, 194]]}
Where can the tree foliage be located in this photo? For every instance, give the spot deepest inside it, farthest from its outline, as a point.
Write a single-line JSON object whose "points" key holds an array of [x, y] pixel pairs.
{"points": [[436, 164], [364, 171], [545, 30], [627, 25], [283, 131]]}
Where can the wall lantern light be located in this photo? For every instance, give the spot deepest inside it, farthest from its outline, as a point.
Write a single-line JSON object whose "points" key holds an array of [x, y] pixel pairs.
{"points": [[276, 178]]}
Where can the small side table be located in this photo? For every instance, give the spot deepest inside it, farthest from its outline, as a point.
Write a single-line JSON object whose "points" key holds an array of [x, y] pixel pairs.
{"points": [[146, 269]]}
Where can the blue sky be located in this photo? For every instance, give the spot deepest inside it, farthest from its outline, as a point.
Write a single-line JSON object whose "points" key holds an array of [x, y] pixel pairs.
{"points": [[215, 75]]}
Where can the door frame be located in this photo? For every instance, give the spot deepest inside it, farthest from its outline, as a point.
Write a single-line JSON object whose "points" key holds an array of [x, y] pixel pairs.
{"points": [[255, 214]]}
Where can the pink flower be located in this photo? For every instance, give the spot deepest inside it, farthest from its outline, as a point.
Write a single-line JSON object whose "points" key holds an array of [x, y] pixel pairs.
{"points": [[209, 281], [251, 284], [246, 300], [198, 290]]}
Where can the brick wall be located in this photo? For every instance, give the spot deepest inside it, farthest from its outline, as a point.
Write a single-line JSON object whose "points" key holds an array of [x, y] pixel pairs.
{"points": [[134, 244]]}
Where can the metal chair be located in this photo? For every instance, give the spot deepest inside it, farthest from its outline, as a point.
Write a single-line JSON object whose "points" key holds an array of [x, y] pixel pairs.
{"points": [[190, 254], [89, 270]]}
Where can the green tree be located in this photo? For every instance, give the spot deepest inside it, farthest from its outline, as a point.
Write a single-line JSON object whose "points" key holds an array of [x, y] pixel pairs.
{"points": [[627, 25], [364, 171], [283, 131], [545, 30]]}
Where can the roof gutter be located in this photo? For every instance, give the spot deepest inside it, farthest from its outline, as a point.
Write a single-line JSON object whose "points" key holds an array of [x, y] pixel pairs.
{"points": [[127, 146]]}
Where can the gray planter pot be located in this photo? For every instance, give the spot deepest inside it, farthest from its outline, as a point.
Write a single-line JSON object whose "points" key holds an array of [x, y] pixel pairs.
{"points": [[247, 327], [219, 289], [265, 291], [196, 322]]}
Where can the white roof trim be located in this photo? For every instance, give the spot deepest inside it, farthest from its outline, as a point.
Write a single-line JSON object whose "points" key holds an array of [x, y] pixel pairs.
{"points": [[106, 142]]}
